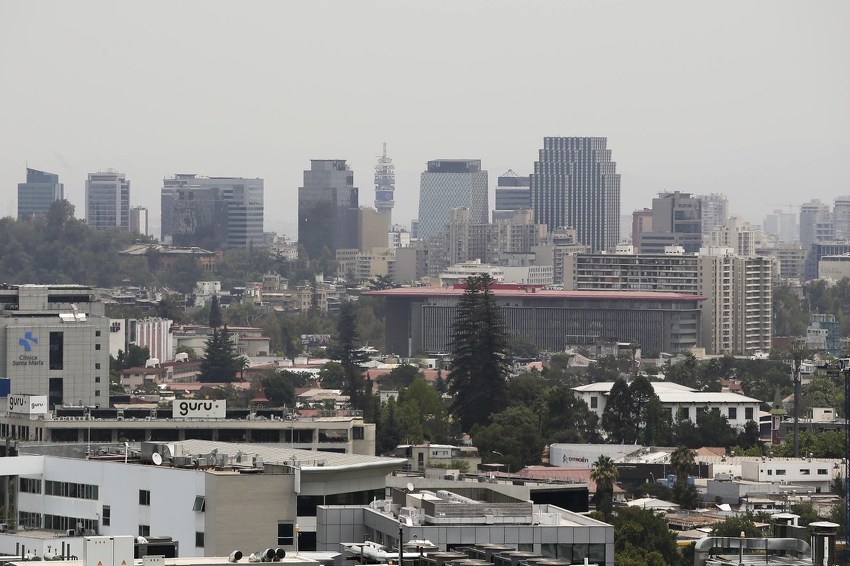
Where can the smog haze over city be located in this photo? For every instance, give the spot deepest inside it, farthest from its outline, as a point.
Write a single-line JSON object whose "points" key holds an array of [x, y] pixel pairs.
{"points": [[743, 98]]}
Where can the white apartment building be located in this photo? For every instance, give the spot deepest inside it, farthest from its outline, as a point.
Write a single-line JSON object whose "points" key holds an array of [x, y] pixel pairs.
{"points": [[682, 402]]}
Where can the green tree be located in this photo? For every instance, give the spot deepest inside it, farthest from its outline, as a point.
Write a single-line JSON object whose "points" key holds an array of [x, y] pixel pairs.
{"points": [[346, 350], [604, 474], [617, 416], [332, 376], [642, 537], [134, 357], [683, 463], [215, 313], [400, 377], [429, 413], [279, 388], [480, 355], [657, 424], [732, 527], [220, 363], [567, 418], [388, 433], [514, 433]]}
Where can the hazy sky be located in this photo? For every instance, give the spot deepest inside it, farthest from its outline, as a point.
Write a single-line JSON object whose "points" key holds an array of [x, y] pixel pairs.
{"points": [[745, 98]]}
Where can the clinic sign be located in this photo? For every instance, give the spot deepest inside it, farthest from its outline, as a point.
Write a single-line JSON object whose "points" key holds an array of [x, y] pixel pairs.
{"points": [[187, 409], [27, 404]]}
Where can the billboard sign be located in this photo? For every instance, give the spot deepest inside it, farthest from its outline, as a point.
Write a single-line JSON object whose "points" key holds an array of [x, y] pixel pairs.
{"points": [[189, 409], [27, 404]]}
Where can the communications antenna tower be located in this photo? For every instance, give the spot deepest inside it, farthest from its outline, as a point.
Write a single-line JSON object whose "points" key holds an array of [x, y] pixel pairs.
{"points": [[384, 184]]}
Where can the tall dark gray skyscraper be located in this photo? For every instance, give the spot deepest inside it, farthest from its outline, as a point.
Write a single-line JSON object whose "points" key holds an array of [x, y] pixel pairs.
{"points": [[448, 184], [575, 184], [328, 207], [38, 193]]}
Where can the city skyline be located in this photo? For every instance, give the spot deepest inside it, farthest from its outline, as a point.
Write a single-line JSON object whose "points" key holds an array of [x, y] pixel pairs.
{"points": [[744, 100]]}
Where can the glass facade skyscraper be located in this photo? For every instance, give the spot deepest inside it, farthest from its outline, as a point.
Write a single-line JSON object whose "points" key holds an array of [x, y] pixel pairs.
{"points": [[448, 184], [108, 201], [328, 208], [37, 195], [575, 184]]}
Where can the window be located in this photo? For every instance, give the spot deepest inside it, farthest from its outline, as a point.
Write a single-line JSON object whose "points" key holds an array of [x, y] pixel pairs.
{"points": [[97, 393], [199, 539], [97, 366], [285, 534], [56, 351], [733, 413], [97, 332], [748, 413], [97, 346], [200, 504], [357, 433], [144, 497], [74, 490], [106, 515], [780, 472], [770, 472], [144, 530], [30, 485], [97, 379], [822, 471], [805, 472], [594, 402]]}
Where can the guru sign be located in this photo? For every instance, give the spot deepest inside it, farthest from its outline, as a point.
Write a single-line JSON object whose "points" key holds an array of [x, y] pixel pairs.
{"points": [[185, 409], [28, 404]]}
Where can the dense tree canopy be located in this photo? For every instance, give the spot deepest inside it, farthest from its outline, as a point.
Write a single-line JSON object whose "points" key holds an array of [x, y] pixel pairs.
{"points": [[480, 355], [220, 363]]}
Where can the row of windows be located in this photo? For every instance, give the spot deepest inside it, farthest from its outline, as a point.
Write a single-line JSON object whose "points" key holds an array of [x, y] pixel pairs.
{"points": [[67, 489], [55, 522], [27, 485], [803, 472]]}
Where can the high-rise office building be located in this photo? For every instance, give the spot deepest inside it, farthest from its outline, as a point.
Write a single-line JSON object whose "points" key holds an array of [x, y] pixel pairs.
{"points": [[841, 217], [714, 209], [139, 220], [575, 184], [448, 184], [37, 195], [212, 212], [676, 221], [816, 223], [783, 225], [328, 208], [385, 185], [513, 193], [108, 200]]}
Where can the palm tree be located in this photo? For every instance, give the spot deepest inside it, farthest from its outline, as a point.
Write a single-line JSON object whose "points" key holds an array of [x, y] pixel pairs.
{"points": [[682, 461], [604, 473]]}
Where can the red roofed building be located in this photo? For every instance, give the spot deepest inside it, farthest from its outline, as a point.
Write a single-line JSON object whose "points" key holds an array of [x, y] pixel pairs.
{"points": [[420, 319]]}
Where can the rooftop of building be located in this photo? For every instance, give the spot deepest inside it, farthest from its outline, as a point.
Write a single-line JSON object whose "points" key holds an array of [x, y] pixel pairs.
{"points": [[215, 455], [669, 392], [510, 291]]}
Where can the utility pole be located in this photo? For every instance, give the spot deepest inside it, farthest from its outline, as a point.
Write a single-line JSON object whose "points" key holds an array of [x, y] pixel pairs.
{"points": [[798, 360]]}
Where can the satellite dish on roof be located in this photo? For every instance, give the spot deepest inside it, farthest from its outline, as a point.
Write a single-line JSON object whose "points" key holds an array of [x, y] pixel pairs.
{"points": [[410, 486], [156, 458]]}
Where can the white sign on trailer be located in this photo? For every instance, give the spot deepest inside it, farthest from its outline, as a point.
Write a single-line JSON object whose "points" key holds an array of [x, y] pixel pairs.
{"points": [[186, 409], [28, 404]]}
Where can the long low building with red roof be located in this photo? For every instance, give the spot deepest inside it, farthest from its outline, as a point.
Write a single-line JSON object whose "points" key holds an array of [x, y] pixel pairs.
{"points": [[420, 319]]}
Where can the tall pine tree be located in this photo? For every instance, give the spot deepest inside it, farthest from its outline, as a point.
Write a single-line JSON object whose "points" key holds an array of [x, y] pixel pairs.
{"points": [[481, 361], [345, 349], [215, 312], [220, 363]]}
